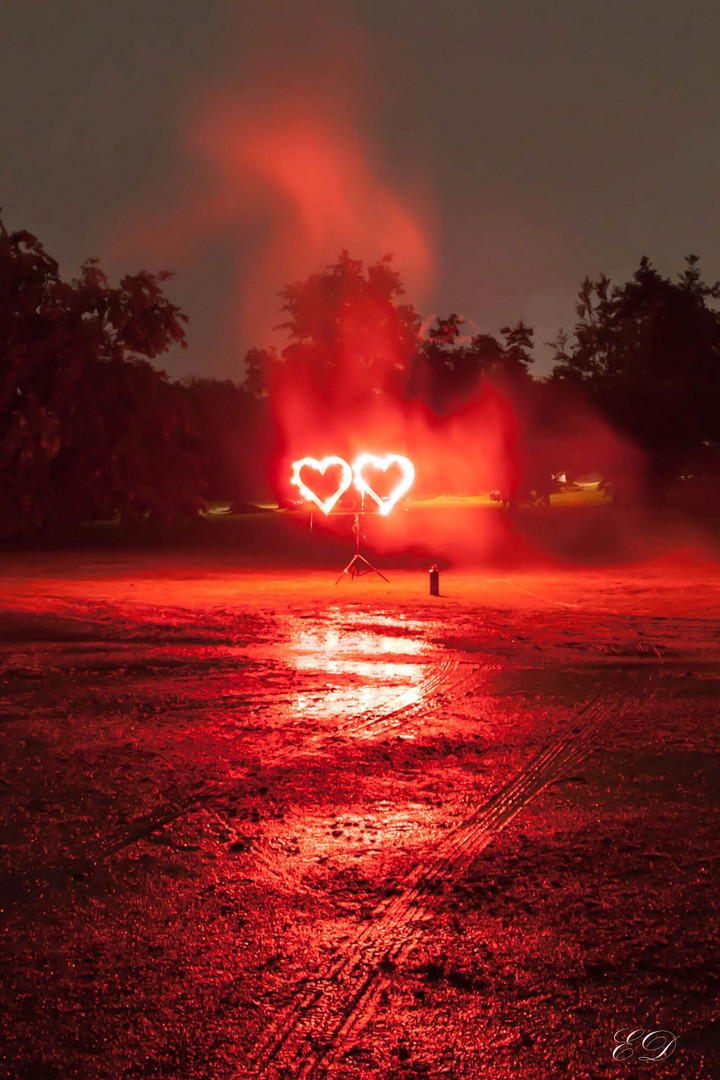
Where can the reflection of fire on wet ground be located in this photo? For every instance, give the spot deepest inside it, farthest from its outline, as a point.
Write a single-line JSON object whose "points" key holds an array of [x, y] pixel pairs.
{"points": [[360, 669], [292, 839]]}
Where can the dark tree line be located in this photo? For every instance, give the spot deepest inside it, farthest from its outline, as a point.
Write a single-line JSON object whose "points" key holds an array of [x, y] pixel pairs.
{"points": [[90, 428], [447, 371], [647, 354]]}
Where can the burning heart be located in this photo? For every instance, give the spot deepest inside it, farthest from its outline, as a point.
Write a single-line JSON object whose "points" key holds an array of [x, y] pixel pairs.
{"points": [[358, 473], [344, 483], [370, 461]]}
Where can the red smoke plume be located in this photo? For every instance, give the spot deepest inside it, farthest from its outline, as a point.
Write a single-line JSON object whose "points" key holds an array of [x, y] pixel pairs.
{"points": [[281, 166], [284, 172]]}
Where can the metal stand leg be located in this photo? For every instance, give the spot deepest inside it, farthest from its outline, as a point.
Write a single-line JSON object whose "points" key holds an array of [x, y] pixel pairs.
{"points": [[359, 565]]}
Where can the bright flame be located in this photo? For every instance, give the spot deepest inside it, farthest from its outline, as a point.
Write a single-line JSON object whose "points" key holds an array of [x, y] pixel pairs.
{"points": [[344, 483], [407, 470], [385, 502]]}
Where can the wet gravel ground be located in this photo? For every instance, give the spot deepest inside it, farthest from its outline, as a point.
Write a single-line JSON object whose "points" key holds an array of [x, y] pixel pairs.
{"points": [[266, 828]]}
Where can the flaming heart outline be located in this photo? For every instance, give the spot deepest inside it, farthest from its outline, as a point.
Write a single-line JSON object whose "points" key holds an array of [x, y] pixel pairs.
{"points": [[407, 468], [322, 466]]}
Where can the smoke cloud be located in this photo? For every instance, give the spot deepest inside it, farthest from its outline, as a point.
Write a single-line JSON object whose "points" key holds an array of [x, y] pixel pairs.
{"points": [[285, 169], [282, 165]]}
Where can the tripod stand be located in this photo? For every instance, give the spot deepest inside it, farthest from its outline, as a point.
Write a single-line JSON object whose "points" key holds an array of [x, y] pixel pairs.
{"points": [[359, 565]]}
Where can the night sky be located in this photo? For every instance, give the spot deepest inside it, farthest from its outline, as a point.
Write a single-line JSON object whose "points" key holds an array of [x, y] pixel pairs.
{"points": [[534, 143]]}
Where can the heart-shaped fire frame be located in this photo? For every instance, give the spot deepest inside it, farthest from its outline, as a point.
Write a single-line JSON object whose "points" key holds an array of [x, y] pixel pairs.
{"points": [[322, 466], [362, 463]]}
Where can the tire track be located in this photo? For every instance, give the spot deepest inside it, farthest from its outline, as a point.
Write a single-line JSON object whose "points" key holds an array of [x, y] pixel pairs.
{"points": [[21, 886], [370, 724], [314, 1032]]}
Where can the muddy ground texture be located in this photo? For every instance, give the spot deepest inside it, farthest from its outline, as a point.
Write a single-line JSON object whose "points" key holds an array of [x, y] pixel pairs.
{"points": [[254, 825]]}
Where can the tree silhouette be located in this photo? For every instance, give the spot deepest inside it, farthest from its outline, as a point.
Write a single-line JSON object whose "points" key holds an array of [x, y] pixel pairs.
{"points": [[347, 327], [235, 433], [648, 354], [449, 371], [88, 426]]}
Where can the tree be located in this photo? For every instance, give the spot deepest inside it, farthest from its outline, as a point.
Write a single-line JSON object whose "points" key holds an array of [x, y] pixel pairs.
{"points": [[87, 425], [349, 334], [444, 372], [517, 351], [235, 432], [648, 354], [449, 371]]}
